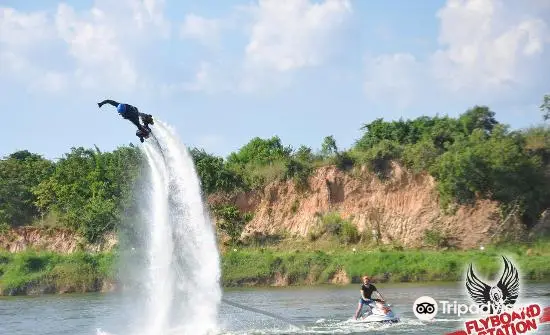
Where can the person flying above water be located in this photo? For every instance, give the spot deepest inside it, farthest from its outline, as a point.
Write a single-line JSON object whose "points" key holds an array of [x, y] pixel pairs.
{"points": [[132, 113]]}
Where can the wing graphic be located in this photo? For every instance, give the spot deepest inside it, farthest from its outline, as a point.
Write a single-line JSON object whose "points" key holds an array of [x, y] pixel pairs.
{"points": [[479, 291], [509, 283]]}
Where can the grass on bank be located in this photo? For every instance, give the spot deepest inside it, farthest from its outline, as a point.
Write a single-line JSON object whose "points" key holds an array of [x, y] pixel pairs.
{"points": [[47, 272], [32, 272], [262, 264], [334, 246]]}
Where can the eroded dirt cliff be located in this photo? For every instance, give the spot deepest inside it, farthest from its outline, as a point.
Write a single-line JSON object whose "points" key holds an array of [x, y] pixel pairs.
{"points": [[398, 210], [58, 240]]}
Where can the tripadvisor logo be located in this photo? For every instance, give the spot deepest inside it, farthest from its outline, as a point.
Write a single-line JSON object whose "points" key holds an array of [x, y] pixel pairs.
{"points": [[425, 308], [488, 299], [495, 303]]}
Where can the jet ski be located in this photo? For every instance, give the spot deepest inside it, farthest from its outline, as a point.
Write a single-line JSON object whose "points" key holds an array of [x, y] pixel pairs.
{"points": [[378, 312]]}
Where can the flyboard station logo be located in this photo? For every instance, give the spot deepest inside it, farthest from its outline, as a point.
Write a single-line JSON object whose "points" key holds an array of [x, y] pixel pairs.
{"points": [[494, 306]]}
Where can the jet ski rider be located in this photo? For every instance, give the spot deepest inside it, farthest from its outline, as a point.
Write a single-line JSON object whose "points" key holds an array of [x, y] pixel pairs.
{"points": [[367, 289]]}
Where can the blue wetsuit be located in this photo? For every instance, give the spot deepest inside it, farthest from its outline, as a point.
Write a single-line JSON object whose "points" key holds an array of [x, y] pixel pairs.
{"points": [[127, 111]]}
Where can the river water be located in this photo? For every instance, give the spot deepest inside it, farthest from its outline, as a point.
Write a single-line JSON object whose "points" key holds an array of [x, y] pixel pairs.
{"points": [[316, 310]]}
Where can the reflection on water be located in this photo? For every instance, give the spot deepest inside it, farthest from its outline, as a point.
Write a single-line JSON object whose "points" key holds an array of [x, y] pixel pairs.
{"points": [[317, 310]]}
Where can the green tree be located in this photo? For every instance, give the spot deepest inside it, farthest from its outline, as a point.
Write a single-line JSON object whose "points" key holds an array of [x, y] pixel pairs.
{"points": [[421, 156], [20, 172], [380, 130], [260, 161], [304, 154], [213, 173], [231, 221], [461, 173], [299, 171], [260, 152], [328, 147], [537, 143], [91, 191], [495, 167], [515, 178], [441, 130], [479, 117], [545, 107]]}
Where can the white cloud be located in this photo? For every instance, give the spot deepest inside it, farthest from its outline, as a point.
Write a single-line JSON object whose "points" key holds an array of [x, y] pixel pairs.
{"points": [[149, 14], [202, 80], [98, 48], [283, 36], [488, 49], [208, 77], [22, 30], [107, 43], [292, 34], [207, 31], [487, 46], [387, 74], [23, 39]]}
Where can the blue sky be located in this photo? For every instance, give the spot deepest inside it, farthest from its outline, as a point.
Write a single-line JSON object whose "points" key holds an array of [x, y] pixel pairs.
{"points": [[224, 72]]}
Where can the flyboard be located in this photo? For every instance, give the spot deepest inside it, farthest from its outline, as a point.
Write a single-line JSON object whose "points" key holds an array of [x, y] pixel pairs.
{"points": [[378, 313]]}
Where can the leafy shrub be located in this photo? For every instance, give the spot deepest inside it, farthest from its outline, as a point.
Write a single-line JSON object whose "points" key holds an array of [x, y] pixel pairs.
{"points": [[299, 172], [435, 238], [332, 223], [231, 220], [494, 167], [420, 156], [214, 174], [349, 233], [379, 157]]}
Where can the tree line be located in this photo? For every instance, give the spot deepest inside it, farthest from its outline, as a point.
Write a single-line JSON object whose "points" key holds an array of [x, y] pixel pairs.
{"points": [[472, 156]]}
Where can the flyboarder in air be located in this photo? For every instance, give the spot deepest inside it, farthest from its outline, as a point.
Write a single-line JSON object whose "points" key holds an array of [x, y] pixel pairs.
{"points": [[132, 113]]}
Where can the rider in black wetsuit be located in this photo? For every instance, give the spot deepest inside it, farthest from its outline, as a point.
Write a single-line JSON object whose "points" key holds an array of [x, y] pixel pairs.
{"points": [[367, 289], [131, 113]]}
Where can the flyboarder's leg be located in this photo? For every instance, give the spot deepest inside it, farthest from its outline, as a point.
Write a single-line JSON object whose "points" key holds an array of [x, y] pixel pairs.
{"points": [[133, 116], [147, 119]]}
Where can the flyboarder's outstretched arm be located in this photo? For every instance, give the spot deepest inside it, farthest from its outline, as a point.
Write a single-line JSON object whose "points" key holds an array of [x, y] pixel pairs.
{"points": [[108, 101]]}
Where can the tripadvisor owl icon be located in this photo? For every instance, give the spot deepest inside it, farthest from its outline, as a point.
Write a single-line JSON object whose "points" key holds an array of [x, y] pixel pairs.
{"points": [[425, 308]]}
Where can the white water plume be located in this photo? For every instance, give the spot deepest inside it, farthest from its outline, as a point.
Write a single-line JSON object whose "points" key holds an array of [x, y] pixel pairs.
{"points": [[182, 280], [160, 248]]}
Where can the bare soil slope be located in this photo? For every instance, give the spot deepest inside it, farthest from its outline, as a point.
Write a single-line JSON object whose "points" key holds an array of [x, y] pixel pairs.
{"points": [[397, 210]]}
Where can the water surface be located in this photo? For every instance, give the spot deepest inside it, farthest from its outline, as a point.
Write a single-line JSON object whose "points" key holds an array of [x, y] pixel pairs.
{"points": [[316, 310]]}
